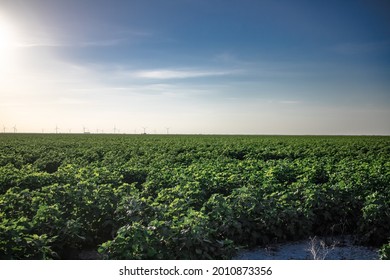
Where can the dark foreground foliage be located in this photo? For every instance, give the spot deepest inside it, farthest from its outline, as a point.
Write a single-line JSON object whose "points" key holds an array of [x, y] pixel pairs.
{"points": [[187, 197]]}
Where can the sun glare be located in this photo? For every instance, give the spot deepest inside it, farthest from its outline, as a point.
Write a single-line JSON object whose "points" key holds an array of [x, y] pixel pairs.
{"points": [[7, 46], [6, 36]]}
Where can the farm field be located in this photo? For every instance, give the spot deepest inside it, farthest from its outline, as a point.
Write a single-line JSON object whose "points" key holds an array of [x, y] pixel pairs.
{"points": [[187, 196]]}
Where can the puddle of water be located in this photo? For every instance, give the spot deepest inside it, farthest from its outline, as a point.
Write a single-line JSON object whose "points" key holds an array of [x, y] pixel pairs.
{"points": [[323, 248]]}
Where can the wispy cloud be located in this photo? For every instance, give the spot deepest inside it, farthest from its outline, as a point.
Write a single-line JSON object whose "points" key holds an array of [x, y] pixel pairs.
{"points": [[37, 39], [37, 44], [290, 101], [167, 90], [179, 74]]}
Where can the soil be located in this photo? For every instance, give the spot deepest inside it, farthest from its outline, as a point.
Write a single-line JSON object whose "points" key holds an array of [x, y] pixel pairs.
{"points": [[321, 248]]}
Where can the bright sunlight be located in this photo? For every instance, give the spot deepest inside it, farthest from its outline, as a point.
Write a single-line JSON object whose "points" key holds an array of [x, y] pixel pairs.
{"points": [[7, 45], [6, 35]]}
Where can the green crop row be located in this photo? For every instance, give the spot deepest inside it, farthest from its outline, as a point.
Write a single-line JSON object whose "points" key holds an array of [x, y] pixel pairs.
{"points": [[187, 197]]}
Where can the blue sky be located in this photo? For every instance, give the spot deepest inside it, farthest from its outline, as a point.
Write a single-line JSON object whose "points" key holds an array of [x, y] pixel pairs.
{"points": [[229, 67]]}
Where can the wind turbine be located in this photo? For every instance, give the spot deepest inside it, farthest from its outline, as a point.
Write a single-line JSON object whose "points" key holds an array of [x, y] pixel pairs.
{"points": [[114, 129], [15, 129], [167, 128], [57, 128], [144, 128], [84, 128]]}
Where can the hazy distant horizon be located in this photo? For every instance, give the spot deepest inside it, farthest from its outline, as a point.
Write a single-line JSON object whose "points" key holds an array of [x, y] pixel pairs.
{"points": [[191, 134], [237, 67]]}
